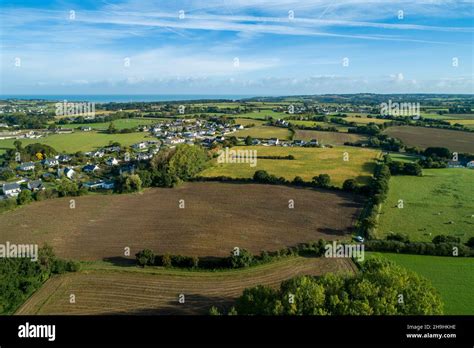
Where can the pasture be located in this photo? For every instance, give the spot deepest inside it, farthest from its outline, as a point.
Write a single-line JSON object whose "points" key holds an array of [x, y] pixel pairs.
{"points": [[328, 138], [122, 123], [308, 163], [216, 218], [102, 289], [439, 202], [428, 137], [264, 132], [453, 277], [79, 141]]}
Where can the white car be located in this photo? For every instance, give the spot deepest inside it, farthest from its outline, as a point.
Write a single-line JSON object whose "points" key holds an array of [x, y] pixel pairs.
{"points": [[359, 239]]}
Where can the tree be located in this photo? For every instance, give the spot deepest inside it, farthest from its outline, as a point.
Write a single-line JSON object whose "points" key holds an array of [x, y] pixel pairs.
{"points": [[111, 129], [24, 197], [248, 140], [260, 176], [470, 242], [322, 180], [132, 183], [18, 145], [380, 288], [349, 185], [187, 161], [242, 259], [145, 257], [298, 180], [67, 187]]}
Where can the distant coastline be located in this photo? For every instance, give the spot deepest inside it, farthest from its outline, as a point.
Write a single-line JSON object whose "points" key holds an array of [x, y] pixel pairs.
{"points": [[124, 98]]}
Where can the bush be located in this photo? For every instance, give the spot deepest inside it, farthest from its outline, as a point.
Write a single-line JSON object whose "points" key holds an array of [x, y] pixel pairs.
{"points": [[322, 180], [241, 259], [445, 239], [145, 257], [470, 242], [398, 237], [349, 185], [24, 197]]}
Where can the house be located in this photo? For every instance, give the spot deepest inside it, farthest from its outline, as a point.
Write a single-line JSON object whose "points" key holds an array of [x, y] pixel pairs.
{"points": [[86, 129], [93, 184], [108, 185], [139, 146], [50, 162], [26, 166], [143, 156], [11, 190], [470, 164], [90, 168], [69, 172], [127, 169], [112, 149], [273, 141], [64, 158], [454, 164], [35, 185], [112, 161], [98, 154], [314, 142], [299, 142]]}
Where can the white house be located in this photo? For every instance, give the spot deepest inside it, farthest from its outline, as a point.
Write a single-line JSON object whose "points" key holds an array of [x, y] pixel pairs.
{"points": [[273, 141], [50, 162], [470, 164], [69, 172], [112, 161], [11, 190], [140, 146], [90, 168], [27, 166]]}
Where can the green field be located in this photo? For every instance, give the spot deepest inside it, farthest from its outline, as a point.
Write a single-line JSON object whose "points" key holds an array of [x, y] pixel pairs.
{"points": [[79, 141], [440, 202], [308, 163], [119, 124], [262, 114], [264, 132], [329, 138], [453, 277]]}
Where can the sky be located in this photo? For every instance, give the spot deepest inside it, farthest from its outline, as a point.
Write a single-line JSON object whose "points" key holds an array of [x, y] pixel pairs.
{"points": [[239, 47]]}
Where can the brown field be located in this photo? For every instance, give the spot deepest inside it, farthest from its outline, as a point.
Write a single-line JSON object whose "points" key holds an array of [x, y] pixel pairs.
{"points": [[216, 218], [426, 137], [156, 290], [328, 138]]}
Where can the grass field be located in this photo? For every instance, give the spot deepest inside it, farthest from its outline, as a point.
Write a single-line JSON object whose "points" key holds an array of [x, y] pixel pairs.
{"points": [[469, 123], [425, 137], [131, 290], [453, 277], [364, 120], [328, 138], [119, 124], [430, 203], [308, 163], [264, 132], [245, 122], [79, 141], [261, 114], [217, 217]]}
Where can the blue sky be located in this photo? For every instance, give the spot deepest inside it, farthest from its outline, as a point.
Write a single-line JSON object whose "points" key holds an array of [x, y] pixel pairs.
{"points": [[271, 47]]}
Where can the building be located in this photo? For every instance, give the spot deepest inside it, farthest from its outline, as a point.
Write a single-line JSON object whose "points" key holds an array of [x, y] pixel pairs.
{"points": [[86, 129], [35, 185], [27, 166], [470, 164], [11, 190], [90, 168], [50, 162], [69, 173], [112, 161]]}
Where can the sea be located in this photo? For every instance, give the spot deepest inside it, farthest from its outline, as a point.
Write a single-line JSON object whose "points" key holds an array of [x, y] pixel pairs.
{"points": [[119, 98]]}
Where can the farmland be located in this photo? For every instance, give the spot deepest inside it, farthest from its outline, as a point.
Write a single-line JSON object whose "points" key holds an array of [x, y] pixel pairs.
{"points": [[79, 141], [216, 218], [425, 137], [130, 290], [440, 202], [119, 124], [328, 138], [453, 277], [308, 163], [264, 132]]}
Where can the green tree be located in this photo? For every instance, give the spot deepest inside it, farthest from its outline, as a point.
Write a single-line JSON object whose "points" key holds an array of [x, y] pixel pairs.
{"points": [[24, 197], [132, 183], [111, 129], [322, 180], [248, 140]]}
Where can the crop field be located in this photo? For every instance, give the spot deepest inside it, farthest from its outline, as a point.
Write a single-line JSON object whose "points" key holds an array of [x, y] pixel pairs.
{"points": [[216, 218], [308, 163], [246, 121], [469, 123], [131, 290], [439, 202], [264, 132], [328, 138], [453, 277], [425, 137], [79, 141]]}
